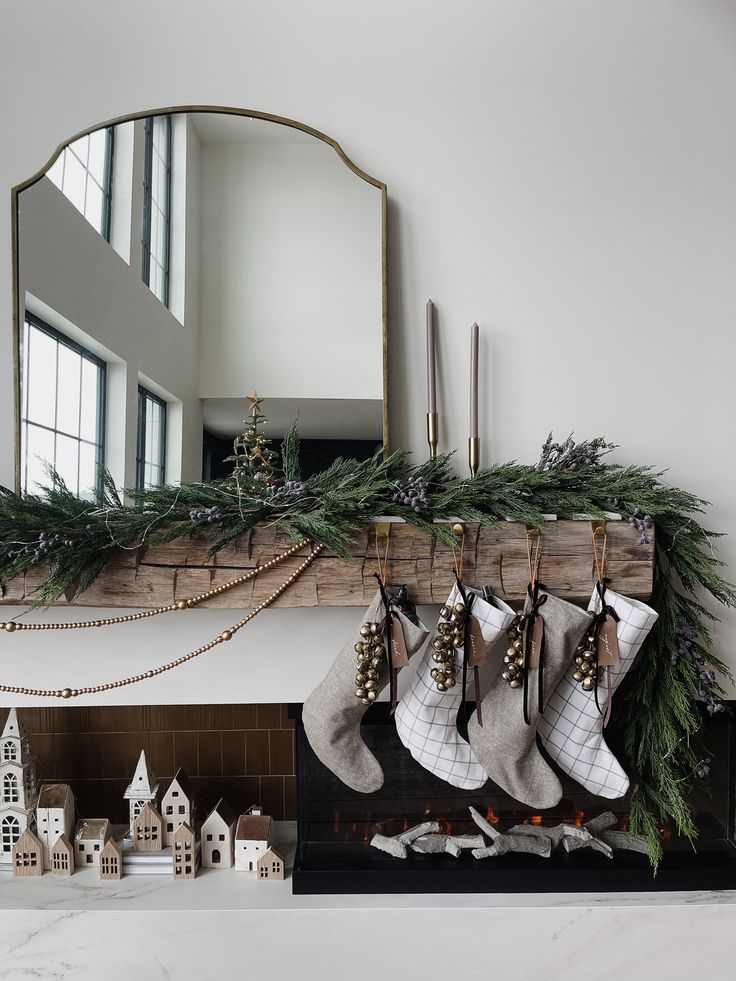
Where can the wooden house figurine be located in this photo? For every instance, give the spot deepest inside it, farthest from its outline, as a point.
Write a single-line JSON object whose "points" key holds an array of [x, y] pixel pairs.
{"points": [[252, 838], [111, 860], [147, 830], [270, 865], [89, 840], [27, 854], [142, 789], [62, 856], [177, 806], [54, 816], [218, 837], [183, 850], [18, 785]]}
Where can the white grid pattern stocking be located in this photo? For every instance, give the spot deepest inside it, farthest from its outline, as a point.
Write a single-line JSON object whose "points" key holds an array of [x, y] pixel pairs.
{"points": [[571, 728], [426, 719]]}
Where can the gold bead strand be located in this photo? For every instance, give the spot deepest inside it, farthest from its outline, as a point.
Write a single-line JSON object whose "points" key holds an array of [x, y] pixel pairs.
{"points": [[226, 635], [12, 626]]}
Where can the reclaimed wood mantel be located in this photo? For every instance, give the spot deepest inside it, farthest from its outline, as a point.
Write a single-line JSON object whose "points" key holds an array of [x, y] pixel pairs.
{"points": [[160, 574]]}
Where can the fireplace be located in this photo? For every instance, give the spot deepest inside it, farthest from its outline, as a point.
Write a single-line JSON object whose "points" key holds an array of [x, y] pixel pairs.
{"points": [[336, 826]]}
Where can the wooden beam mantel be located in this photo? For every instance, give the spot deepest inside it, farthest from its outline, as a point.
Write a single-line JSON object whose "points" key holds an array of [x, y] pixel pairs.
{"points": [[161, 574]]}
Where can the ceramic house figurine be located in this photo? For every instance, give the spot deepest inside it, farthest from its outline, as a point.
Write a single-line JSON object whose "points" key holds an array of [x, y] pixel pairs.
{"points": [[147, 830], [270, 865], [111, 860], [27, 855], [218, 837], [184, 854], [252, 838], [177, 805], [62, 856], [89, 840], [18, 785], [54, 816], [142, 789]]}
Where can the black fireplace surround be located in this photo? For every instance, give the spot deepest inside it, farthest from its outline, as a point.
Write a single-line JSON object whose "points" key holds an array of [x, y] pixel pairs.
{"points": [[335, 826]]}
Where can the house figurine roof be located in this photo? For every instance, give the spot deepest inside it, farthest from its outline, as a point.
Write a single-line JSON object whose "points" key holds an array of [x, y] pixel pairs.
{"points": [[54, 795], [184, 783], [253, 827], [62, 845], [13, 727], [92, 829], [223, 809], [144, 783], [184, 833], [112, 847]]}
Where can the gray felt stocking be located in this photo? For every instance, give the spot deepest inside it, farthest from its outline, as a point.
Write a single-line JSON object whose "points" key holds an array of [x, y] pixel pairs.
{"points": [[333, 712], [505, 744]]}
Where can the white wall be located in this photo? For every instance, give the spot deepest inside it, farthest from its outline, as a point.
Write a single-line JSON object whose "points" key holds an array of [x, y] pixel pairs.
{"points": [[291, 273], [562, 172]]}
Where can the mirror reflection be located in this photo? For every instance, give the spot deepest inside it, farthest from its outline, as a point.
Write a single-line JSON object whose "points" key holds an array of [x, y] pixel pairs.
{"points": [[168, 267]]}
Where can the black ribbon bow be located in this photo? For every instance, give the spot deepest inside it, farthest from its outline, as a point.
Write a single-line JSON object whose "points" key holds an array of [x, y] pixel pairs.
{"points": [[468, 602], [527, 625], [388, 621]]}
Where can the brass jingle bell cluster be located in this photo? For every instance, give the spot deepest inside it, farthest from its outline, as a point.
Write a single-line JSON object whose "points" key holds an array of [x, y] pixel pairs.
{"points": [[450, 637], [371, 651], [513, 659], [585, 663]]}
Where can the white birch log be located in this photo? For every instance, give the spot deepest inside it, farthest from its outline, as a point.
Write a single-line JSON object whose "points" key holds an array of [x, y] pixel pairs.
{"points": [[533, 845], [389, 845], [485, 826]]}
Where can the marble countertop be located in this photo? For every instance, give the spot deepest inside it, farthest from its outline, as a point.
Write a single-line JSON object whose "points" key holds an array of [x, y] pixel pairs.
{"points": [[227, 889]]}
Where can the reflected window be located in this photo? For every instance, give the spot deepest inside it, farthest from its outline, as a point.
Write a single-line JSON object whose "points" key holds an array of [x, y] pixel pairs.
{"points": [[83, 173], [157, 206], [151, 454], [62, 411]]}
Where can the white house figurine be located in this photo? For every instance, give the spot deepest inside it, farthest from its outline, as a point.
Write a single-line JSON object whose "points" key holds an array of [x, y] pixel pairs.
{"points": [[177, 806], [54, 816], [18, 785], [142, 789], [252, 838], [89, 840], [218, 837]]}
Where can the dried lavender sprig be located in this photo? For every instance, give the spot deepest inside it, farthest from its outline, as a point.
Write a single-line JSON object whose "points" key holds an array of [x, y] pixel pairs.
{"points": [[570, 455]]}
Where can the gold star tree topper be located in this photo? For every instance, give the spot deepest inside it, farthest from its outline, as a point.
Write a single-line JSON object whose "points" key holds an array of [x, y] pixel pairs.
{"points": [[255, 404]]}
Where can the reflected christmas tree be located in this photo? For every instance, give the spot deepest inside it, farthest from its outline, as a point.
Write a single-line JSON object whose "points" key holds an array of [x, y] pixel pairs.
{"points": [[252, 455]]}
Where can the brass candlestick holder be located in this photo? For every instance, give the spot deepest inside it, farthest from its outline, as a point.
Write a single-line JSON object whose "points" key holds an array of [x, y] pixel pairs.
{"points": [[432, 433], [474, 454]]}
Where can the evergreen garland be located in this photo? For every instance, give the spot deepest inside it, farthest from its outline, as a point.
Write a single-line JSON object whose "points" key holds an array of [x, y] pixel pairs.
{"points": [[661, 702]]}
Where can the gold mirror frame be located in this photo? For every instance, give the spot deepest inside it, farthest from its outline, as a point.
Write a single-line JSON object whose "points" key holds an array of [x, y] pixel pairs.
{"points": [[177, 110]]}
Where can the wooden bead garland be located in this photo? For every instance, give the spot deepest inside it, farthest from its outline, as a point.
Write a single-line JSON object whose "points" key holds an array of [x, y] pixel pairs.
{"points": [[225, 636]]}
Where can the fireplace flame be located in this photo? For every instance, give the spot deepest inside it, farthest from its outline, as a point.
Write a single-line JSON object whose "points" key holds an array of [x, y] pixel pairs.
{"points": [[536, 819], [491, 816], [445, 826], [579, 818]]}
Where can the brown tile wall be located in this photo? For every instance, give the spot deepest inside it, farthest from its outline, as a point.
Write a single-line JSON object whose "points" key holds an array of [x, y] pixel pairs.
{"points": [[244, 753]]}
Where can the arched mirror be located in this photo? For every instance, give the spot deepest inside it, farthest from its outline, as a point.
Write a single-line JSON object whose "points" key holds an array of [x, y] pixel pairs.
{"points": [[168, 266]]}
